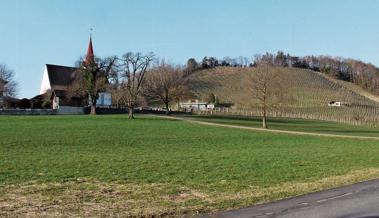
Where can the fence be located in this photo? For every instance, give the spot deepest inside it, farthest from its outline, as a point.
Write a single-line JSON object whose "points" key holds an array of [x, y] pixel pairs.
{"points": [[67, 110], [27, 112], [61, 111], [368, 116]]}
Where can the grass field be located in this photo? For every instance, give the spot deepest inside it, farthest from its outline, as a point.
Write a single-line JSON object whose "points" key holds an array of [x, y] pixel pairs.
{"points": [[109, 165], [300, 125]]}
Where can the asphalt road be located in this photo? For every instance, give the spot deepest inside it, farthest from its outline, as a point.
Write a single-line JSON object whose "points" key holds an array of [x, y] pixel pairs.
{"points": [[358, 200]]}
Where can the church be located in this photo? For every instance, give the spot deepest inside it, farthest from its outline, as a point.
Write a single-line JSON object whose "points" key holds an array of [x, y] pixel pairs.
{"points": [[57, 80]]}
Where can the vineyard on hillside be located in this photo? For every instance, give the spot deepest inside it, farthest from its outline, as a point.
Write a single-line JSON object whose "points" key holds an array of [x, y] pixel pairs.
{"points": [[307, 95]]}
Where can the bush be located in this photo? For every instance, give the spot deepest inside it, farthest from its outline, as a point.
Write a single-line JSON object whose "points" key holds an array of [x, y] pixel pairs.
{"points": [[24, 103]]}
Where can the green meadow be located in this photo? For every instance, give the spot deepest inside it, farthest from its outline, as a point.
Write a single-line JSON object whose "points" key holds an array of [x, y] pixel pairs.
{"points": [[297, 125], [153, 166]]}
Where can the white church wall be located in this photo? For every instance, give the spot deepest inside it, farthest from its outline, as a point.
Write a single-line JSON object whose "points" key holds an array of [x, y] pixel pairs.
{"points": [[105, 99], [45, 85]]}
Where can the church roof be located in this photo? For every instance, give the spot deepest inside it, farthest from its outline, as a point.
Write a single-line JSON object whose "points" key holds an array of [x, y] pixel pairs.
{"points": [[60, 93], [58, 78], [60, 75], [90, 57]]}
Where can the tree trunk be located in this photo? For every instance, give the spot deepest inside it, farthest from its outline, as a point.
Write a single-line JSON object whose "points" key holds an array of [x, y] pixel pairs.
{"points": [[264, 118], [167, 109], [264, 122], [131, 114], [92, 102], [93, 109]]}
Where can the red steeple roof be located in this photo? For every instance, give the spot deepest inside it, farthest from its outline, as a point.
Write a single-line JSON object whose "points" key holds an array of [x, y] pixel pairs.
{"points": [[90, 57]]}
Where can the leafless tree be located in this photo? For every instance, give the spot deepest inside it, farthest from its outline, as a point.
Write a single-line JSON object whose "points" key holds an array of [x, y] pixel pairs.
{"points": [[246, 61], [118, 95], [133, 67], [164, 85], [239, 61], [267, 87], [91, 78], [8, 84]]}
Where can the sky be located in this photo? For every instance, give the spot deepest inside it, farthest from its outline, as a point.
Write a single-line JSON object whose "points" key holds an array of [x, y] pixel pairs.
{"points": [[38, 32]]}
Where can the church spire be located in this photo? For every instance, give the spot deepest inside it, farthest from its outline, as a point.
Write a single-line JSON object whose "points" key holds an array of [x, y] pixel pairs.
{"points": [[90, 57]]}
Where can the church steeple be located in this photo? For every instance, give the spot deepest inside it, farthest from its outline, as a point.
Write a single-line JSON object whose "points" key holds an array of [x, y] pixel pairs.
{"points": [[90, 57]]}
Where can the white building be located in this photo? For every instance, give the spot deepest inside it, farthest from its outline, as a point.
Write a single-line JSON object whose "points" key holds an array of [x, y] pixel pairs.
{"points": [[196, 105], [105, 99], [335, 104]]}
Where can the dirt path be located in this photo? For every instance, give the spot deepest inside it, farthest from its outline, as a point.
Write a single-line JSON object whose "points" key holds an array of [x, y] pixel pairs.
{"points": [[270, 130]]}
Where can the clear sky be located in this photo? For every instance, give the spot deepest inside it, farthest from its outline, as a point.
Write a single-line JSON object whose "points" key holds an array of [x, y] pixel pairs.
{"points": [[38, 32]]}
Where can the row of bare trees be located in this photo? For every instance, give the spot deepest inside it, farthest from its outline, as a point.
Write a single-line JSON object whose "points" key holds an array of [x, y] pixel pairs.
{"points": [[132, 79]]}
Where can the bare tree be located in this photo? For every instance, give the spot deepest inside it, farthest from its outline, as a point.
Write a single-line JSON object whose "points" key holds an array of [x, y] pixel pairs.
{"points": [[91, 78], [117, 89], [246, 61], [118, 95], [266, 85], [133, 68], [8, 84], [165, 84]]}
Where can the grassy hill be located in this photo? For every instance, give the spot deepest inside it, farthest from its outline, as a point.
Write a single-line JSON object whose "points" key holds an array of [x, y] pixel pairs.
{"points": [[308, 94]]}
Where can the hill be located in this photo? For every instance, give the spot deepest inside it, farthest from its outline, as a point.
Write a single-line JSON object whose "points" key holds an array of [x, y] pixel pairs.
{"points": [[308, 94]]}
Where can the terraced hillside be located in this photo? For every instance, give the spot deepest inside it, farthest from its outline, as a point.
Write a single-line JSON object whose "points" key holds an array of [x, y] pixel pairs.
{"points": [[307, 95]]}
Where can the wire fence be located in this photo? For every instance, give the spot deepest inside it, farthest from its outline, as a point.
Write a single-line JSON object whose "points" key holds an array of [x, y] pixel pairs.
{"points": [[355, 115]]}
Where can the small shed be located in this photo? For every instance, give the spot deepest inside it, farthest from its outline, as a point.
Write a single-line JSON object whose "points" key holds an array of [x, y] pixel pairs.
{"points": [[335, 104]]}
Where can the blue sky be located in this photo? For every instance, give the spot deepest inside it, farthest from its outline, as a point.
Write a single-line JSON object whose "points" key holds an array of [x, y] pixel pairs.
{"points": [[37, 32]]}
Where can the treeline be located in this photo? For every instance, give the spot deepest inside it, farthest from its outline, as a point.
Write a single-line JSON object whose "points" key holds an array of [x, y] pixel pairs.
{"points": [[363, 74], [133, 79], [211, 62]]}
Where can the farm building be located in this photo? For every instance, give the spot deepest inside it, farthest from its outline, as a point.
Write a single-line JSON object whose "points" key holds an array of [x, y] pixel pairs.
{"points": [[57, 80], [335, 104], [196, 105]]}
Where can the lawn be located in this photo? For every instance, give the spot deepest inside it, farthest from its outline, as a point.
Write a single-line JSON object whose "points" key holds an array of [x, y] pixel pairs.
{"points": [[109, 165], [299, 125]]}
